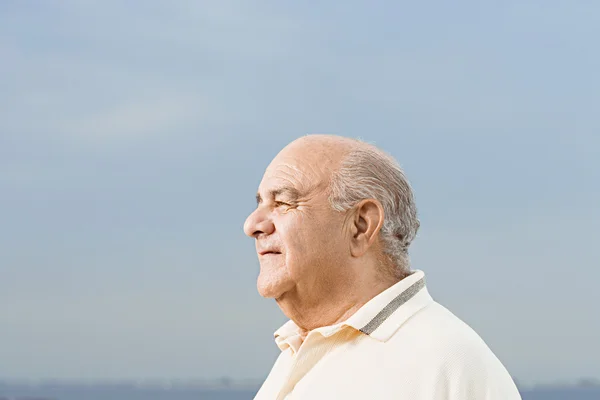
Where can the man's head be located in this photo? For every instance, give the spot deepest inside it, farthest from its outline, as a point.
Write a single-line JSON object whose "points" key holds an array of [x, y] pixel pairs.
{"points": [[331, 210]]}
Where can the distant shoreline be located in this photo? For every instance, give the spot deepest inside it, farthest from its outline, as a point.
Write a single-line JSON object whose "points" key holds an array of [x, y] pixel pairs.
{"points": [[216, 384]]}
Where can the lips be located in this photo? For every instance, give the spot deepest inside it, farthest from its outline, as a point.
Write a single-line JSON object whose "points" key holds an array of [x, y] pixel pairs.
{"points": [[266, 252]]}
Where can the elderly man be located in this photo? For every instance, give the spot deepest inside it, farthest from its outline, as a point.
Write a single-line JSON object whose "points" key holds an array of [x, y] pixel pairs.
{"points": [[334, 221]]}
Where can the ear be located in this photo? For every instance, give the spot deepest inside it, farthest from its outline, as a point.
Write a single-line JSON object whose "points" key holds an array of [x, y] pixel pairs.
{"points": [[365, 225]]}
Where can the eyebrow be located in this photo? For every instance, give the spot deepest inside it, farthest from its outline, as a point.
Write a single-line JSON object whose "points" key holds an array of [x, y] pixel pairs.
{"points": [[288, 191]]}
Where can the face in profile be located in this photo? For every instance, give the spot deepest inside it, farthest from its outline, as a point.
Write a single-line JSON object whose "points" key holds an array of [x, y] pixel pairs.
{"points": [[299, 237]]}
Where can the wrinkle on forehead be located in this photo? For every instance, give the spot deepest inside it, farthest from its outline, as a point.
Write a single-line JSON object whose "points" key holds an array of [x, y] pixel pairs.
{"points": [[308, 163], [291, 175]]}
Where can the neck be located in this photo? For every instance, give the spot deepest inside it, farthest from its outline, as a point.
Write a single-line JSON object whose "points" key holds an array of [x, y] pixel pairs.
{"points": [[335, 304]]}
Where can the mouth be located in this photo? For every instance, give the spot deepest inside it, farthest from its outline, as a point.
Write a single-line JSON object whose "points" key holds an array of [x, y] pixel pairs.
{"points": [[269, 253]]}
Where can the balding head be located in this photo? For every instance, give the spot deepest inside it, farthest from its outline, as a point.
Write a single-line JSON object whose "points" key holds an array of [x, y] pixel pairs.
{"points": [[334, 214], [320, 156], [354, 171]]}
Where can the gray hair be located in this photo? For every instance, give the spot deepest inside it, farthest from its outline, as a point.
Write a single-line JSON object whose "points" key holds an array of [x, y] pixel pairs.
{"points": [[366, 172]]}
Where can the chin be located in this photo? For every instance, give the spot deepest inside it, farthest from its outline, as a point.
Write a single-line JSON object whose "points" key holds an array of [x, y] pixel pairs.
{"points": [[268, 291], [272, 288]]}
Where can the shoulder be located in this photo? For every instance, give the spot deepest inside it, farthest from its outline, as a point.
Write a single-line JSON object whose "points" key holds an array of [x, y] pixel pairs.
{"points": [[453, 358]]}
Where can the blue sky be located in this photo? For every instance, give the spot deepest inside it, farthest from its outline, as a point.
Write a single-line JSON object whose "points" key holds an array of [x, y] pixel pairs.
{"points": [[133, 136]]}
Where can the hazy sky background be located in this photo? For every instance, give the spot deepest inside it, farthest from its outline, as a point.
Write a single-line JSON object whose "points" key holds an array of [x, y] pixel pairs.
{"points": [[133, 136]]}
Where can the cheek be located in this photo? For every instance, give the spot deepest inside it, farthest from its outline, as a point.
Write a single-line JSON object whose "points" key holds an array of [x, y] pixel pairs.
{"points": [[331, 244], [307, 241], [294, 235]]}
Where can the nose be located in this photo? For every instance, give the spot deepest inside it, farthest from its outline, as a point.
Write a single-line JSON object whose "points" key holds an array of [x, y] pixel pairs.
{"points": [[258, 224]]}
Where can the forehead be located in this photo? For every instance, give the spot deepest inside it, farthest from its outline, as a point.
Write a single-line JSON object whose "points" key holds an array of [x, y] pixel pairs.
{"points": [[285, 174], [298, 168]]}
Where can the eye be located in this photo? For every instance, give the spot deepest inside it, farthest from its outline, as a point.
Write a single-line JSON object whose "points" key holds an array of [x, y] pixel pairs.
{"points": [[282, 204]]}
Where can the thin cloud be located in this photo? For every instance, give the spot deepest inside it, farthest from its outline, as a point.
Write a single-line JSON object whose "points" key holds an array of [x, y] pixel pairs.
{"points": [[139, 119]]}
